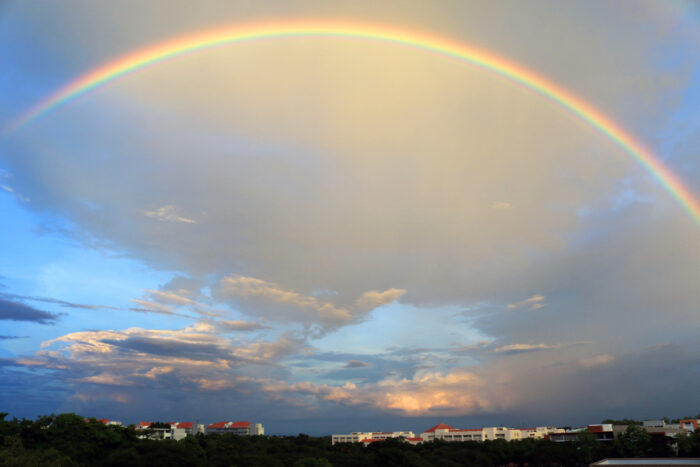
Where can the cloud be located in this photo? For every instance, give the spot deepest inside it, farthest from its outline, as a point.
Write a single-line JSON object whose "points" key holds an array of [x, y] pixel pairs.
{"points": [[502, 205], [356, 364], [168, 213], [512, 349], [12, 337], [235, 325], [14, 311], [276, 303], [56, 301], [459, 392], [154, 307], [533, 303], [603, 359]]}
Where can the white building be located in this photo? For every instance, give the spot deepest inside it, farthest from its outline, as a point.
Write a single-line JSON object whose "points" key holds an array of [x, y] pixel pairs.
{"points": [[106, 421], [539, 432], [448, 433], [690, 425], [177, 430], [236, 428], [445, 432], [367, 437]]}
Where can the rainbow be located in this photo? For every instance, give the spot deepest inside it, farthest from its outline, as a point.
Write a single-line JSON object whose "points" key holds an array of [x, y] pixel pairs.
{"points": [[149, 56]]}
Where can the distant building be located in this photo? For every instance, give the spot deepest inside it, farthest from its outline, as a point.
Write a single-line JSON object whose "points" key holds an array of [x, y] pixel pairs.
{"points": [[448, 433], [189, 427], [690, 426], [445, 432], [236, 428], [367, 437], [603, 432], [176, 431], [106, 421], [647, 461]]}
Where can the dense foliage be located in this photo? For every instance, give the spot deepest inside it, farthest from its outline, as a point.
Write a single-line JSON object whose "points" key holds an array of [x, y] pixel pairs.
{"points": [[67, 440]]}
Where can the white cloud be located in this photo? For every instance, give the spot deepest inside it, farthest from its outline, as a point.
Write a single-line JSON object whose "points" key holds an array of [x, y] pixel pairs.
{"points": [[168, 213], [459, 392], [533, 303], [597, 360], [502, 205], [289, 306]]}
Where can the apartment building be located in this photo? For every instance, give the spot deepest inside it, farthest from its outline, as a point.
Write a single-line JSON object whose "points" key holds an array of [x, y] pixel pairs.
{"points": [[448, 433], [368, 437], [236, 428]]}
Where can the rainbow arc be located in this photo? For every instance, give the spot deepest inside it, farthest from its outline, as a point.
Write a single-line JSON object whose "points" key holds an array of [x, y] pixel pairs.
{"points": [[490, 62]]}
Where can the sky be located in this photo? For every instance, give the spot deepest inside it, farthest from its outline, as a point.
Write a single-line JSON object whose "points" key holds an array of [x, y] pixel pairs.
{"points": [[328, 235]]}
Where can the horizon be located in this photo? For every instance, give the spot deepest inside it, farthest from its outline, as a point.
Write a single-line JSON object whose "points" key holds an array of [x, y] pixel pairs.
{"points": [[383, 217]]}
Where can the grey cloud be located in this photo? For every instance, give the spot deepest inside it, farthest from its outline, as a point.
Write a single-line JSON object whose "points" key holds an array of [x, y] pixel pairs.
{"points": [[171, 348], [12, 337], [513, 349], [56, 301], [14, 311], [234, 325], [356, 364]]}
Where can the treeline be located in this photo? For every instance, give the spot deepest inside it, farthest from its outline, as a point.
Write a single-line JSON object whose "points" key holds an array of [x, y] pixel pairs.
{"points": [[67, 440]]}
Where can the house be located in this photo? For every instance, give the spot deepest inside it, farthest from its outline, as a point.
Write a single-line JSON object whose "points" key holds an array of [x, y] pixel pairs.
{"points": [[690, 425]]}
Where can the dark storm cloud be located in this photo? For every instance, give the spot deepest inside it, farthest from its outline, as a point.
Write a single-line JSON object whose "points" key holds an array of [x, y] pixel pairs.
{"points": [[15, 311]]}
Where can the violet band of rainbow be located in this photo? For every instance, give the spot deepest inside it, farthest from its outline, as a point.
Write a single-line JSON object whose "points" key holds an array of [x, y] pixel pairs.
{"points": [[149, 56]]}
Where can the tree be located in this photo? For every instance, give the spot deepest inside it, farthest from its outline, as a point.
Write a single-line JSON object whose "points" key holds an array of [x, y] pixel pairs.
{"points": [[633, 442], [588, 446]]}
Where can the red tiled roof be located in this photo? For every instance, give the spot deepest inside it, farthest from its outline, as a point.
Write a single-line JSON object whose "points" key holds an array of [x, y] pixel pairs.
{"points": [[240, 425], [145, 424], [184, 425], [440, 426], [218, 425], [414, 439]]}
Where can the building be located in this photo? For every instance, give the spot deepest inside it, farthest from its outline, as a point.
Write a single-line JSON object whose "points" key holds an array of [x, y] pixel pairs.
{"points": [[367, 437], [539, 432], [106, 421], [191, 429], [448, 433], [690, 426], [648, 462], [236, 428], [445, 432], [176, 431], [603, 432]]}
